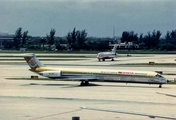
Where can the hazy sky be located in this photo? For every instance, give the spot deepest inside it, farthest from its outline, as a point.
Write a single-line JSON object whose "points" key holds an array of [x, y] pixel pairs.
{"points": [[97, 17]]}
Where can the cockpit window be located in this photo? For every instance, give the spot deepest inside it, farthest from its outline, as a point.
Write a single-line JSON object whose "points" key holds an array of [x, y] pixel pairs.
{"points": [[100, 54], [158, 75]]}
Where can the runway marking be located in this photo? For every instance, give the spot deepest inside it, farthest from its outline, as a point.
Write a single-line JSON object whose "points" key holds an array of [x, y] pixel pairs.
{"points": [[131, 113], [56, 114], [90, 100], [170, 95]]}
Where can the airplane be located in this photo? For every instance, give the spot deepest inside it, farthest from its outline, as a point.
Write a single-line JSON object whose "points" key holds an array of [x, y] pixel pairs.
{"points": [[86, 75], [108, 55]]}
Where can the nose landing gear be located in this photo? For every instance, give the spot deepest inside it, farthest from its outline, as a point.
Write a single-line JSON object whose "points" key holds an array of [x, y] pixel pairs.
{"points": [[160, 85]]}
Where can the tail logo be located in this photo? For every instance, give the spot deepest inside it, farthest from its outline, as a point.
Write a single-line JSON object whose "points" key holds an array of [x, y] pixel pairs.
{"points": [[32, 63]]}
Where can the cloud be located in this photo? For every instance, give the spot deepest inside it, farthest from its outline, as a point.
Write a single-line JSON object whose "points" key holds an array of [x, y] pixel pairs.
{"points": [[98, 17]]}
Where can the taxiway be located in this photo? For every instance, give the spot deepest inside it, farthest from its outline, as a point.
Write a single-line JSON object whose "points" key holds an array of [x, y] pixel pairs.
{"points": [[46, 100]]}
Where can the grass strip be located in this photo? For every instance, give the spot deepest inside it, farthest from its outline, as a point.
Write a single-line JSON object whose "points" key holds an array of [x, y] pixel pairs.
{"points": [[43, 59], [48, 56], [92, 52], [147, 64]]}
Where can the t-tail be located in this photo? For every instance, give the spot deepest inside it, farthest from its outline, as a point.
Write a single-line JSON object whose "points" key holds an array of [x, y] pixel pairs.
{"points": [[33, 62], [114, 48]]}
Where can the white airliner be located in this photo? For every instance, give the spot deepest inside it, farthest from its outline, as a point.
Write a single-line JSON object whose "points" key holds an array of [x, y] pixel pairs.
{"points": [[85, 75], [108, 55]]}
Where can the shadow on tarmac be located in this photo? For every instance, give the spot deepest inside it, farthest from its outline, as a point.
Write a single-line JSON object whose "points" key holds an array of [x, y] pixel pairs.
{"points": [[170, 95], [92, 85]]}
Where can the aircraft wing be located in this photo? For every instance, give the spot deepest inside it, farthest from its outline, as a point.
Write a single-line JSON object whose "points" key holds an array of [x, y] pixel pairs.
{"points": [[132, 113]]}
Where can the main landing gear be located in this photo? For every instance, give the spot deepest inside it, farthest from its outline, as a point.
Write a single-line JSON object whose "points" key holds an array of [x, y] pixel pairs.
{"points": [[84, 83], [160, 85], [101, 59]]}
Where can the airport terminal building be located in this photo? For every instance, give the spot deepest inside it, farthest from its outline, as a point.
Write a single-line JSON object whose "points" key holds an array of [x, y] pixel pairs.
{"points": [[5, 37]]}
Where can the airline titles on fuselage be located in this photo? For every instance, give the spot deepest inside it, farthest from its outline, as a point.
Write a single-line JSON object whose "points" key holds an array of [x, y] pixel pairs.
{"points": [[124, 73], [108, 72]]}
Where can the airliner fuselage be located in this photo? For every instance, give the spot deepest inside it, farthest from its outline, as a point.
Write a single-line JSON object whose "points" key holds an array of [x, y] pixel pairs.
{"points": [[86, 74], [106, 55], [103, 75]]}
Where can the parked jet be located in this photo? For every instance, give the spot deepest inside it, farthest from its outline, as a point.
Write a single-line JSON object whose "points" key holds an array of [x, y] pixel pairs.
{"points": [[108, 55], [85, 75]]}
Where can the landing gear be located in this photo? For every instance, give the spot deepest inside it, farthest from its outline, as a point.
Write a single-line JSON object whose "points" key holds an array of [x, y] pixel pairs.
{"points": [[112, 59], [101, 59], [84, 83], [160, 86]]}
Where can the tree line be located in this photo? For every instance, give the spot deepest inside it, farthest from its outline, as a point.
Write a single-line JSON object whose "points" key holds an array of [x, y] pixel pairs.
{"points": [[78, 40]]}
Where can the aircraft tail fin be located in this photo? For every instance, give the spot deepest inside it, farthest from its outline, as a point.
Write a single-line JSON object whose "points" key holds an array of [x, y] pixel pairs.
{"points": [[32, 61], [114, 48]]}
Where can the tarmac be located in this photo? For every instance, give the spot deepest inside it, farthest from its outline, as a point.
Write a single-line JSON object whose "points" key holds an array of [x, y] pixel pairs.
{"points": [[61, 100]]}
